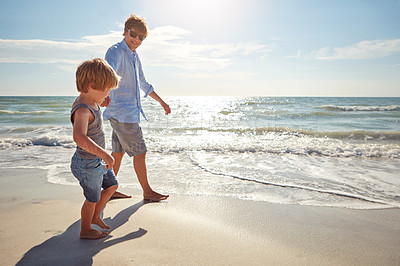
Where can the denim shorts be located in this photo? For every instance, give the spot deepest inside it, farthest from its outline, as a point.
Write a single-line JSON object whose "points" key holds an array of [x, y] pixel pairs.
{"points": [[93, 175], [127, 137]]}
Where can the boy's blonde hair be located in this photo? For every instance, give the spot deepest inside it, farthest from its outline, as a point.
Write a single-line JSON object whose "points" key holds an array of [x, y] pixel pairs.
{"points": [[136, 23], [96, 73]]}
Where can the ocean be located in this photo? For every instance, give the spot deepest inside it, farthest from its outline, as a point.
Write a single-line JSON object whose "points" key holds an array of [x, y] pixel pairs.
{"points": [[336, 152]]}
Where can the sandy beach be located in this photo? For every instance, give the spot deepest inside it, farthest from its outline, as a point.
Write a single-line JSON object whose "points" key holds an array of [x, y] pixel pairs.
{"points": [[40, 226]]}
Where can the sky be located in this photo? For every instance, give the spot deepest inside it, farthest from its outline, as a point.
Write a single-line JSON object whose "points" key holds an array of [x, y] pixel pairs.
{"points": [[348, 48]]}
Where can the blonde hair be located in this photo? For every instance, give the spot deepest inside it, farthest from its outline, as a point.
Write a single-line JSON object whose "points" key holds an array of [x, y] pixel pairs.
{"points": [[136, 23], [96, 73]]}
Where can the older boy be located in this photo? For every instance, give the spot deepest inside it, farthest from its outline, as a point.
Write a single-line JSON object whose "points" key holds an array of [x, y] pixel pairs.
{"points": [[125, 108], [91, 164]]}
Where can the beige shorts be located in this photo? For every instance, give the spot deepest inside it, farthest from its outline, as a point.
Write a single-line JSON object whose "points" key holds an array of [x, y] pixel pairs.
{"points": [[127, 137]]}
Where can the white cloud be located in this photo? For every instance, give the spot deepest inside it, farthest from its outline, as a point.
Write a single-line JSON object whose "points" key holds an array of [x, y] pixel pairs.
{"points": [[49, 51], [361, 50], [165, 46], [169, 46]]}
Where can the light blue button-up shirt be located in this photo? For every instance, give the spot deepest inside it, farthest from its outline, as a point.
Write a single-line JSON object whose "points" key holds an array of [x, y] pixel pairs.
{"points": [[125, 103]]}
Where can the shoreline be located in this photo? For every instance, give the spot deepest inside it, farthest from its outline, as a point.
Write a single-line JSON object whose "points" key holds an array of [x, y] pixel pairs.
{"points": [[41, 225]]}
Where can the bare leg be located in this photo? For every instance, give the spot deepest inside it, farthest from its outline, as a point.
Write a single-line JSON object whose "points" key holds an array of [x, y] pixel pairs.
{"points": [[87, 232], [104, 198], [118, 159], [139, 163]]}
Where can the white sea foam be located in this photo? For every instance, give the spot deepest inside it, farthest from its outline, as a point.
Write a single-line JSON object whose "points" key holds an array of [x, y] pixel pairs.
{"points": [[361, 108], [61, 174], [270, 141], [307, 180], [273, 143], [26, 112], [63, 141]]}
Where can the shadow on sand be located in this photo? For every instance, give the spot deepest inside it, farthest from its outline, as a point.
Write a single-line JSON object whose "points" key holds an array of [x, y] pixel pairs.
{"points": [[68, 249]]}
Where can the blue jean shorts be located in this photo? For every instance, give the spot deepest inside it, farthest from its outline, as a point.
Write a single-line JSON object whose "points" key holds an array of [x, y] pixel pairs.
{"points": [[127, 137], [93, 175]]}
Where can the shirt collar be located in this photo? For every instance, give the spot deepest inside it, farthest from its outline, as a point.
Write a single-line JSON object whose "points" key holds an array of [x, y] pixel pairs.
{"points": [[126, 47]]}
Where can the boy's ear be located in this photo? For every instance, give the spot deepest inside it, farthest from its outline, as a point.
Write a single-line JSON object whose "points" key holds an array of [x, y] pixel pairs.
{"points": [[91, 86]]}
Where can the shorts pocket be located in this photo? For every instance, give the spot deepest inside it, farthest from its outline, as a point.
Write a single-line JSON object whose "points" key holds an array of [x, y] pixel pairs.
{"points": [[92, 164]]}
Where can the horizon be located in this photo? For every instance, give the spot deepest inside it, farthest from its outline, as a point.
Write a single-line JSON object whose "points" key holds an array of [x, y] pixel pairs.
{"points": [[226, 96]]}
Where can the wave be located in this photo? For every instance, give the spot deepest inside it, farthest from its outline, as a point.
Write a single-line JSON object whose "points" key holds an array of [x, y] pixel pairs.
{"points": [[361, 108], [262, 140], [294, 186], [331, 151], [277, 144], [322, 114], [66, 142], [351, 135], [357, 135], [23, 112], [272, 102]]}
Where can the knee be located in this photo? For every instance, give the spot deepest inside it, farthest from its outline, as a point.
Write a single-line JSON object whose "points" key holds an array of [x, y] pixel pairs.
{"points": [[140, 156], [117, 155]]}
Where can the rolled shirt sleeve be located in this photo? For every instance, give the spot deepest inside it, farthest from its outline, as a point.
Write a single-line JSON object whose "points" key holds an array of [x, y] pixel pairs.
{"points": [[146, 87]]}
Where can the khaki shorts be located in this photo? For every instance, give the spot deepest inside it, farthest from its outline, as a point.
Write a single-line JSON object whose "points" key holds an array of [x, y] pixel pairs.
{"points": [[127, 137]]}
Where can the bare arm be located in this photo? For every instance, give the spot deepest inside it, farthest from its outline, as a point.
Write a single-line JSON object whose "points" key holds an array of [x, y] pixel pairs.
{"points": [[155, 96], [82, 117]]}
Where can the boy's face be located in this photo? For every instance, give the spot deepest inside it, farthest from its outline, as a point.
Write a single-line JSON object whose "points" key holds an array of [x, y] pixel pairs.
{"points": [[99, 96], [103, 95], [133, 39]]}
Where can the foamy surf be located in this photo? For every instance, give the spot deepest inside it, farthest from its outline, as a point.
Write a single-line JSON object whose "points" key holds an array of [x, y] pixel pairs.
{"points": [[362, 108], [282, 150]]}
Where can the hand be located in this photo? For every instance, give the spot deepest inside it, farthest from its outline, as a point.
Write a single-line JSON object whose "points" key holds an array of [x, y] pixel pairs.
{"points": [[155, 96], [166, 108], [109, 160], [106, 102]]}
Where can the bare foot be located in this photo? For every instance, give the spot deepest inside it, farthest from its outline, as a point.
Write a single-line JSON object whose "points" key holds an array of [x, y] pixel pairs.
{"points": [[154, 196], [93, 234], [119, 195], [100, 223]]}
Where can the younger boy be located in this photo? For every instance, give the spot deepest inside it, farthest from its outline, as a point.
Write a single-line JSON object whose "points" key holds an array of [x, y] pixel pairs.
{"points": [[91, 164]]}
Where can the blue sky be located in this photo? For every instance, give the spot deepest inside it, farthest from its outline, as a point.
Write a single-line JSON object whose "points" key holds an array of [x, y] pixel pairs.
{"points": [[210, 47]]}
